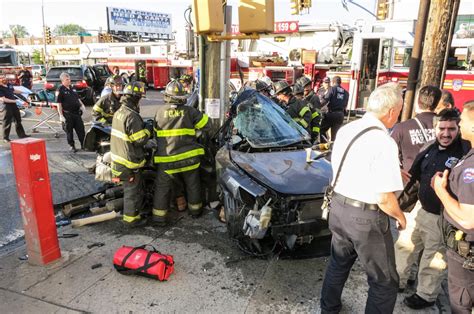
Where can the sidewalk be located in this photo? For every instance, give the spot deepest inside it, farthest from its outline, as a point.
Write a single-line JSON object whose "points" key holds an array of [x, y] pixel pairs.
{"points": [[211, 275]]}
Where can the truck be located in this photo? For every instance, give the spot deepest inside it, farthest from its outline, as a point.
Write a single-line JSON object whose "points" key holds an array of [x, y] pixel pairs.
{"points": [[10, 62]]}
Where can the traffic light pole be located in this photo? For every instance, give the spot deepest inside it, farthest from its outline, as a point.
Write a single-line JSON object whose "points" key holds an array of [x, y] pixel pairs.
{"points": [[44, 38]]}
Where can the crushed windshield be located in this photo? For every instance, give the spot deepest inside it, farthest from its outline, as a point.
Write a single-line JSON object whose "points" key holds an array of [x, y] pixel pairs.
{"points": [[264, 124]]}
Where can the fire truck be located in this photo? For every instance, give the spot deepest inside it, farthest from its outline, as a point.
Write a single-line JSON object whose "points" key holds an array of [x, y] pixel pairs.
{"points": [[10, 60], [148, 62]]}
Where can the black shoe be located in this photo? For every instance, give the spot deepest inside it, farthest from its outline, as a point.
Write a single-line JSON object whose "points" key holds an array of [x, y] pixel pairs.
{"points": [[24, 136], [416, 302], [159, 221], [73, 149]]}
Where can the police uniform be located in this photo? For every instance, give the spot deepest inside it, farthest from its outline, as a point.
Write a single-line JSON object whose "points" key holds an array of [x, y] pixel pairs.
{"points": [[423, 233], [178, 155], [460, 245], [359, 228], [105, 107], [300, 112], [11, 113], [336, 99], [128, 156], [72, 113]]}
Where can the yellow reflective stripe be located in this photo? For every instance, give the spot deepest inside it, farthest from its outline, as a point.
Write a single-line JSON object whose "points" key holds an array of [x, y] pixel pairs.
{"points": [[127, 218], [176, 132], [303, 111], [202, 122], [127, 163], [178, 157], [301, 121], [314, 115], [316, 129], [139, 135], [115, 172], [183, 169], [103, 120], [159, 212], [120, 135], [194, 206], [98, 109]]}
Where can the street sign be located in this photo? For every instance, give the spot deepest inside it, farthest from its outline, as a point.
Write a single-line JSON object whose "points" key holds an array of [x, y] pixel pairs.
{"points": [[279, 39]]}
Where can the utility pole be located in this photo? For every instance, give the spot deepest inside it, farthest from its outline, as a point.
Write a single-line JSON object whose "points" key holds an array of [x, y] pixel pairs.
{"points": [[415, 59], [44, 37], [436, 41]]}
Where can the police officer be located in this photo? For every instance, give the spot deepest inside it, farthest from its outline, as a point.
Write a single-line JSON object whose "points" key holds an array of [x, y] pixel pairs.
{"points": [[10, 112], [336, 99], [298, 91], [104, 109], [359, 213], [70, 109], [25, 77], [178, 155], [127, 151], [458, 213], [424, 235], [298, 110]]}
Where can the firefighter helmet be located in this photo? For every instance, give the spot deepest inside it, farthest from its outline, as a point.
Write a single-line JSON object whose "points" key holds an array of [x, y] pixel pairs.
{"points": [[304, 81], [259, 85], [175, 92], [135, 89], [298, 89], [114, 80], [282, 87], [186, 78]]}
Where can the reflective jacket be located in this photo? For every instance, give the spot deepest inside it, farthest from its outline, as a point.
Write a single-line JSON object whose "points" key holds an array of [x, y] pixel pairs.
{"points": [[300, 112], [313, 100], [105, 107], [175, 129], [128, 138]]}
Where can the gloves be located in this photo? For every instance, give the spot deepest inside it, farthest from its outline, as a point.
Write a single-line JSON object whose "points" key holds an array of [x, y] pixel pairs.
{"points": [[62, 119], [151, 144]]}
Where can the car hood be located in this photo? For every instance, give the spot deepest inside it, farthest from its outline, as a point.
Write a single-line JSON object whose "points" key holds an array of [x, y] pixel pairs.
{"points": [[286, 172]]}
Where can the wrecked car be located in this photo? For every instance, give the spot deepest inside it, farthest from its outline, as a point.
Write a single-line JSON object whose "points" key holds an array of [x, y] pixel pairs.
{"points": [[270, 186]]}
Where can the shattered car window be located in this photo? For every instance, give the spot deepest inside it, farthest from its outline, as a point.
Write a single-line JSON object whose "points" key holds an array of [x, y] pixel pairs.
{"points": [[264, 124]]}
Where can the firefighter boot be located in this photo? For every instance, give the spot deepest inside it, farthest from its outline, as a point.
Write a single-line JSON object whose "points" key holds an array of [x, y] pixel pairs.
{"points": [[195, 210], [159, 217]]}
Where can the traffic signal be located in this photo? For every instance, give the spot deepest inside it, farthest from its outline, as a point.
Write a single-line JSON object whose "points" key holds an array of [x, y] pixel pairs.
{"points": [[47, 35], [306, 4], [382, 9], [295, 7]]}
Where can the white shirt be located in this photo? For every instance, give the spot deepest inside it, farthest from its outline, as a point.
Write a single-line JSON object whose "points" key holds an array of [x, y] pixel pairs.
{"points": [[371, 165]]}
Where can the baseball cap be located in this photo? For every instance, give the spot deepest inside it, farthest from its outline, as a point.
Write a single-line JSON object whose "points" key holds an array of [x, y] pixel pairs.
{"points": [[326, 80]]}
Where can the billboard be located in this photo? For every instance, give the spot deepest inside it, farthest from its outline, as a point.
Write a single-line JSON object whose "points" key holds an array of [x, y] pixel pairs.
{"points": [[137, 22]]}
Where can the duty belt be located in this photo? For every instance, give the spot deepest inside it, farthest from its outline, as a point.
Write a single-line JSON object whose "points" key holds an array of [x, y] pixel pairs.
{"points": [[355, 203], [455, 241]]}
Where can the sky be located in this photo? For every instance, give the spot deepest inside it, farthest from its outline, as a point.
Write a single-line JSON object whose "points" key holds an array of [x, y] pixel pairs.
{"points": [[91, 14]]}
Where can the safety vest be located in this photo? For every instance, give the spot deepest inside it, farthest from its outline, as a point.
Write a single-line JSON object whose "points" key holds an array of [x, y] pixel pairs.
{"points": [[105, 107], [175, 130], [127, 139]]}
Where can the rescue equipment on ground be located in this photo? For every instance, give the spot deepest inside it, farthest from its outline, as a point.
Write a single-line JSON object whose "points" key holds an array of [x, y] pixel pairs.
{"points": [[129, 260]]}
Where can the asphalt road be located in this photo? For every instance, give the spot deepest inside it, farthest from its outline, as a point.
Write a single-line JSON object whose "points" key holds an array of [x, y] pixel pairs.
{"points": [[68, 172]]}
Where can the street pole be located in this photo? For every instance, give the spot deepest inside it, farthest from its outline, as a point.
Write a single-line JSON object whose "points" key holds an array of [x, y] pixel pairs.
{"points": [[415, 60], [436, 41], [44, 37], [225, 66], [454, 14]]}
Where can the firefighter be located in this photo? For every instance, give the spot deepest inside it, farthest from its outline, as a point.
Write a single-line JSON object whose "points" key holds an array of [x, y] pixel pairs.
{"points": [[298, 110], [107, 105], [127, 150], [178, 155], [309, 94], [261, 87], [187, 82], [299, 91]]}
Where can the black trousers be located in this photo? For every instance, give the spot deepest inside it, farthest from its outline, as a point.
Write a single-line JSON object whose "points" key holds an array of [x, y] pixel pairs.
{"points": [[331, 120], [363, 234], [11, 113], [132, 192], [164, 184], [74, 122], [460, 284]]}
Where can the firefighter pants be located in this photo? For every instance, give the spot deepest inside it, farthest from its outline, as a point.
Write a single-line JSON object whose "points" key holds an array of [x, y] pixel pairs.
{"points": [[460, 284], [422, 235], [11, 113], [132, 194], [164, 185], [74, 123]]}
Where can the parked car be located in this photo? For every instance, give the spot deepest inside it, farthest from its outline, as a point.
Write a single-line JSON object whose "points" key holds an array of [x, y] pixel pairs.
{"points": [[83, 80], [38, 70], [263, 174], [102, 72]]}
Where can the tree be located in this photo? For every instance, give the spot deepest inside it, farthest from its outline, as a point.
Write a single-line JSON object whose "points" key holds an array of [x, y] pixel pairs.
{"points": [[19, 30], [6, 34], [37, 56], [68, 30]]}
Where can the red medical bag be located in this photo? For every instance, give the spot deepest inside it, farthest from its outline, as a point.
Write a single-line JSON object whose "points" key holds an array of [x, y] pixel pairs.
{"points": [[130, 260]]}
